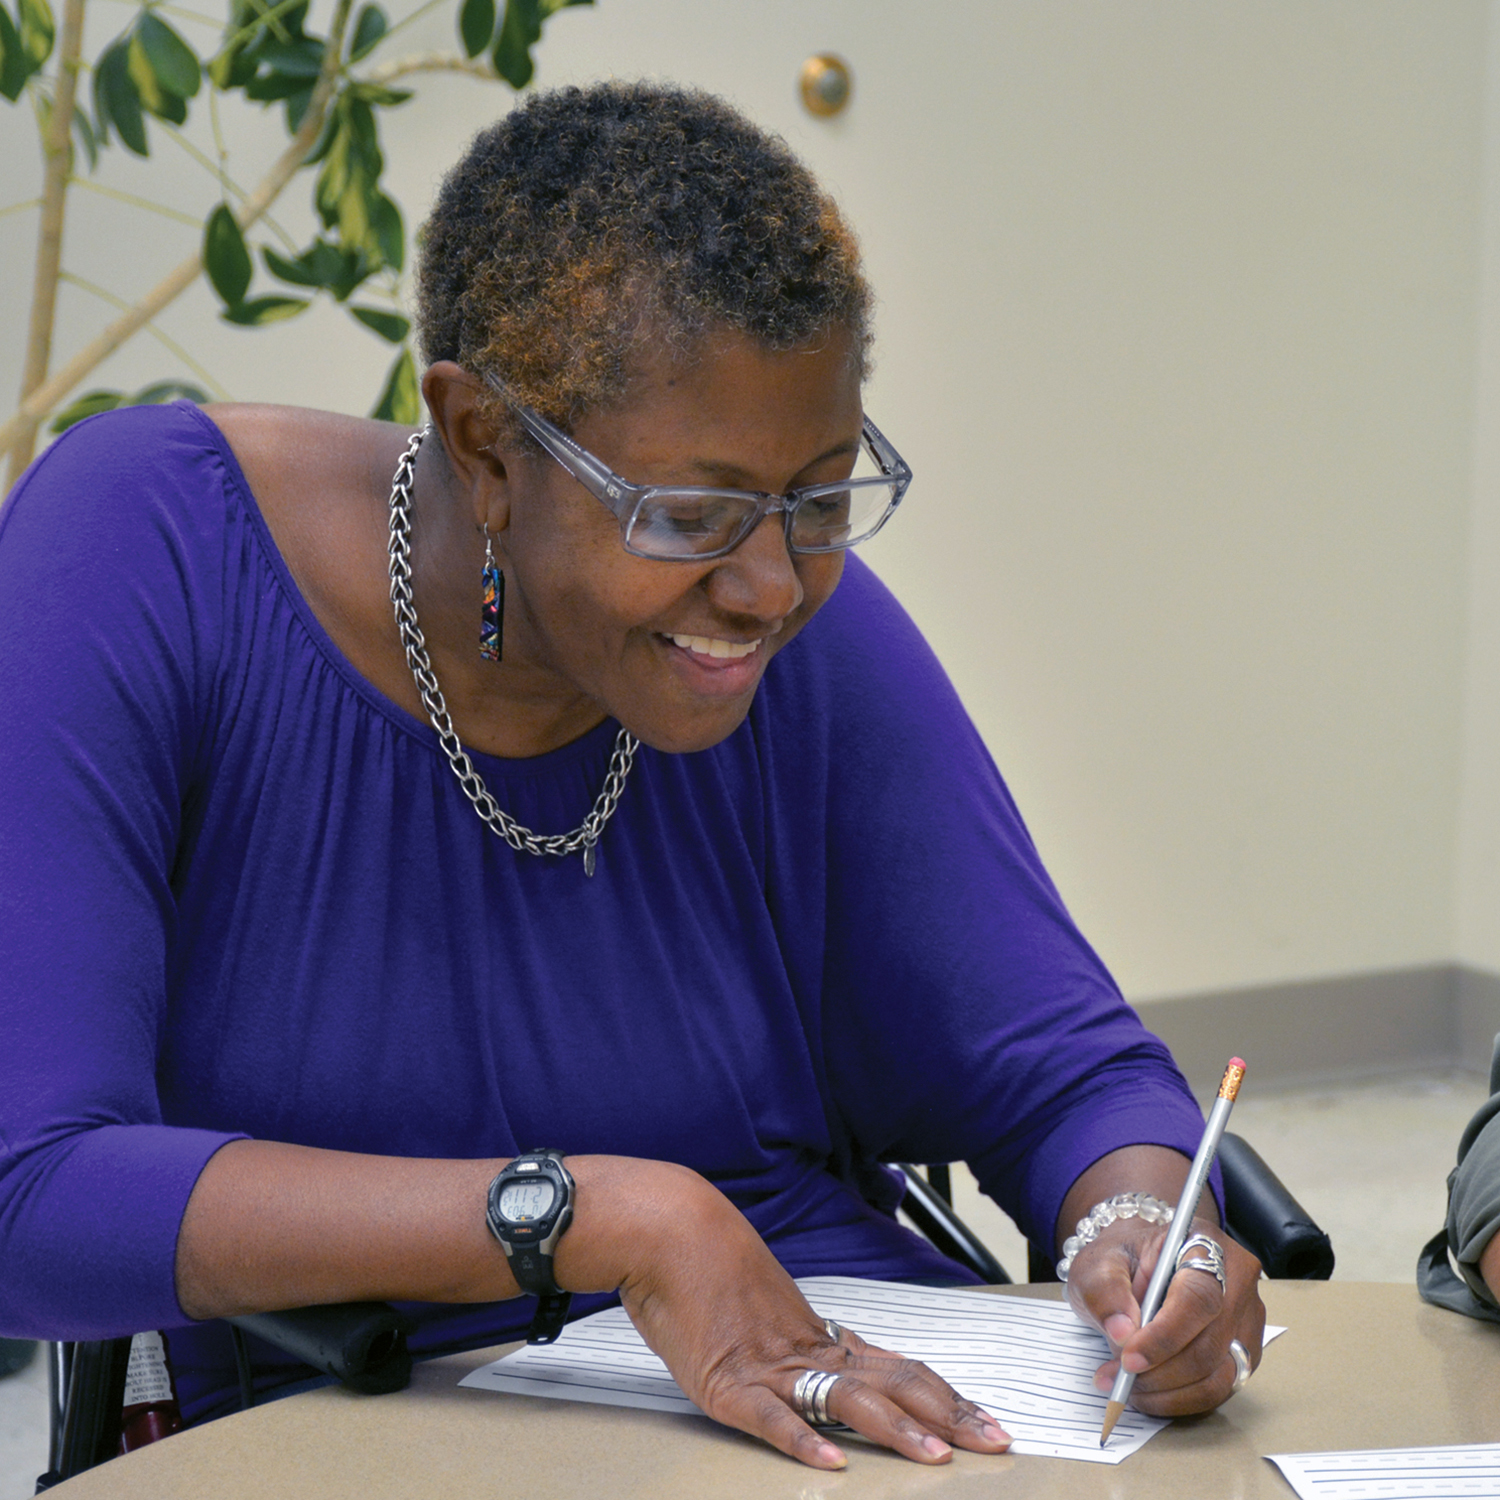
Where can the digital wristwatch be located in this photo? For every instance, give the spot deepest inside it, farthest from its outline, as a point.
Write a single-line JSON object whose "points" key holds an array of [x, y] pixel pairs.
{"points": [[530, 1205]]}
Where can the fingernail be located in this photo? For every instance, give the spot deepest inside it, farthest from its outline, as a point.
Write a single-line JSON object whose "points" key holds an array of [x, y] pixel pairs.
{"points": [[828, 1454], [1118, 1328], [992, 1434], [1103, 1380], [1136, 1363], [936, 1446]]}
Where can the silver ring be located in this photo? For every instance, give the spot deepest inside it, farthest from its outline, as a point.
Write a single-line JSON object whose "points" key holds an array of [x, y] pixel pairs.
{"points": [[810, 1397], [1212, 1260], [833, 1330], [1241, 1360]]}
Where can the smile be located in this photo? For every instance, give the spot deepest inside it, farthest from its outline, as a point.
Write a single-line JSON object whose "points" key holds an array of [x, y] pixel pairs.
{"points": [[707, 645]]}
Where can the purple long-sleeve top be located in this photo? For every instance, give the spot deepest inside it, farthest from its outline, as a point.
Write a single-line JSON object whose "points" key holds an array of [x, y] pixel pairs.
{"points": [[241, 893]]}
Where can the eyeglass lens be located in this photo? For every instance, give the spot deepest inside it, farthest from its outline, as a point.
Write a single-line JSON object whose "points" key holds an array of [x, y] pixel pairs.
{"points": [[688, 523]]}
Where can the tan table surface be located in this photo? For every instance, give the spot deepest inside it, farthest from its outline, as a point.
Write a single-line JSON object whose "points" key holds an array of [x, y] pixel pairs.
{"points": [[1362, 1366]]}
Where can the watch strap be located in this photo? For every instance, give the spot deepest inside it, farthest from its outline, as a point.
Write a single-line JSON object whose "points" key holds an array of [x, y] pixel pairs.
{"points": [[551, 1314], [532, 1270]]}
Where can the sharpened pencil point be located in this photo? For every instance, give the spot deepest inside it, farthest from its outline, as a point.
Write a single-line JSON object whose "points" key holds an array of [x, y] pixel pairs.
{"points": [[1113, 1411]]}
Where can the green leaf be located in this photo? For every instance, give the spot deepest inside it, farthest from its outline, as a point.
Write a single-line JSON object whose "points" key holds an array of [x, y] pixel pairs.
{"points": [[154, 98], [12, 58], [174, 65], [400, 401], [551, 7], [301, 57], [233, 67], [368, 30], [519, 32], [354, 210], [267, 88], [296, 107], [85, 133], [387, 232], [347, 192], [392, 327], [364, 133], [89, 405], [260, 310], [299, 272], [322, 266], [117, 101], [333, 175], [225, 257], [37, 32], [167, 390], [476, 25], [377, 93]]}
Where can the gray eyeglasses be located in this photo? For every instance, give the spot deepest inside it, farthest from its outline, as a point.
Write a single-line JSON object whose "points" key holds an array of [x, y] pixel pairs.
{"points": [[692, 522]]}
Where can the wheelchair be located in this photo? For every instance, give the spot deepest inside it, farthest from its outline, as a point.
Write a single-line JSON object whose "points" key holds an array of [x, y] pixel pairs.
{"points": [[363, 1344]]}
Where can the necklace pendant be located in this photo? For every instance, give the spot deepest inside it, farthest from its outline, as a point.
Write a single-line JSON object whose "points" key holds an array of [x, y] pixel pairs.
{"points": [[588, 859]]}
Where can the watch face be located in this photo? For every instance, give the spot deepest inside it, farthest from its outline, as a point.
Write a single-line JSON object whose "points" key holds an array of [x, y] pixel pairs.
{"points": [[526, 1202]]}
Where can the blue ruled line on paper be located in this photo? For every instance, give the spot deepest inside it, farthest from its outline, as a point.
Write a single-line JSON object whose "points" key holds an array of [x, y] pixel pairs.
{"points": [[1463, 1471]]}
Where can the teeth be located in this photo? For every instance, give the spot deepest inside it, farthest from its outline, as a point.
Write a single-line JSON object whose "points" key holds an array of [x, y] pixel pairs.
{"points": [[707, 645]]}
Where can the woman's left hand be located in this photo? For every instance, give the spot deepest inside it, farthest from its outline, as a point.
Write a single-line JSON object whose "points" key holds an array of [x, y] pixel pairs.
{"points": [[1181, 1359]]}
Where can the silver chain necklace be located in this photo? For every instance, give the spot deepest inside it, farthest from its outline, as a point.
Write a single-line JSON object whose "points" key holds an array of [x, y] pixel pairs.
{"points": [[495, 818]]}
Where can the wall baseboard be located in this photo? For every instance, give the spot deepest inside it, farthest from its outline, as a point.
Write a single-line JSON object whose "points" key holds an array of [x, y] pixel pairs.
{"points": [[1321, 1030]]}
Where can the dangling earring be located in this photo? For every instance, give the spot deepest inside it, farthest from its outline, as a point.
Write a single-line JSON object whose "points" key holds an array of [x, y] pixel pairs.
{"points": [[492, 607]]}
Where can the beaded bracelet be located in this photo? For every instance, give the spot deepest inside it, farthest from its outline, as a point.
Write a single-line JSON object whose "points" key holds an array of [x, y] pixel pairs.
{"points": [[1121, 1206]]}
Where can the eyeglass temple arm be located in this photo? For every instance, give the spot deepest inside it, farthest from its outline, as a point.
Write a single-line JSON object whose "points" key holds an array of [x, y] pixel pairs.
{"points": [[607, 486], [892, 465], [589, 471], [598, 480]]}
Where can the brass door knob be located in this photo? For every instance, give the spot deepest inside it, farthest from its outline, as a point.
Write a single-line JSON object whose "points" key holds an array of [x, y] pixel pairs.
{"points": [[826, 84]]}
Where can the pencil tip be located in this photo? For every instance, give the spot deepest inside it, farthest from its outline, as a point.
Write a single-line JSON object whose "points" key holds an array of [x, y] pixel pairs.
{"points": [[1112, 1413]]}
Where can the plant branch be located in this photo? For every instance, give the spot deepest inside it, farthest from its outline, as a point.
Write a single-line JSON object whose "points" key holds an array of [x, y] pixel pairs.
{"points": [[184, 14], [56, 154], [432, 62], [120, 196], [410, 19], [227, 185], [22, 426], [160, 335]]}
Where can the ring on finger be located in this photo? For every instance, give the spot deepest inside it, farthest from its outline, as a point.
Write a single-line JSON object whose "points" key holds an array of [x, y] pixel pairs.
{"points": [[833, 1330], [1241, 1358], [1211, 1261], [810, 1397]]}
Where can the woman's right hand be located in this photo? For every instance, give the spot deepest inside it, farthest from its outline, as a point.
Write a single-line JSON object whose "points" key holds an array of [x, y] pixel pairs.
{"points": [[731, 1325]]}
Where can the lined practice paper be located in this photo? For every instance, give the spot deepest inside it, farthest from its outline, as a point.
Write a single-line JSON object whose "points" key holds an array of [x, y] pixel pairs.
{"points": [[1031, 1364], [1466, 1471]]}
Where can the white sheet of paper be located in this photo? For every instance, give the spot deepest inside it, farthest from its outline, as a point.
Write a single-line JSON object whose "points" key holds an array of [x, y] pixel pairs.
{"points": [[1031, 1364], [1466, 1471]]}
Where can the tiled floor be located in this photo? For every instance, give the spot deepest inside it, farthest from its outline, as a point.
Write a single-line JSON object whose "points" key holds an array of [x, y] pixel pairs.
{"points": [[1367, 1160]]}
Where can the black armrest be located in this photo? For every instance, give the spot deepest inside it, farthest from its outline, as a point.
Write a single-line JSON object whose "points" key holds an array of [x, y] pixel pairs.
{"points": [[1267, 1220], [934, 1216], [360, 1344]]}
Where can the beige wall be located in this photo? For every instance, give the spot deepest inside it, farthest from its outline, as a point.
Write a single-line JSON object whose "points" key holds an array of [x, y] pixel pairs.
{"points": [[1179, 328], [1477, 884]]}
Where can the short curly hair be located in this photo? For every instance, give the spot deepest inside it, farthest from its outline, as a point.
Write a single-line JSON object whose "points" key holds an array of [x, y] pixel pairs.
{"points": [[592, 225]]}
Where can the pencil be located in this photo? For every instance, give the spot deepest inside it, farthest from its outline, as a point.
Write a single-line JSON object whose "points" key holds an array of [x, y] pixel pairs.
{"points": [[1177, 1232]]}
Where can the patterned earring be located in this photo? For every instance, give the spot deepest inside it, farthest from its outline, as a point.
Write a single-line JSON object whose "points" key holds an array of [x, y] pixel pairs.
{"points": [[492, 607]]}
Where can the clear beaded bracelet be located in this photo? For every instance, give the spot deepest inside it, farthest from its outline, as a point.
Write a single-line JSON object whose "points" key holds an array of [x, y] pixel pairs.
{"points": [[1121, 1206]]}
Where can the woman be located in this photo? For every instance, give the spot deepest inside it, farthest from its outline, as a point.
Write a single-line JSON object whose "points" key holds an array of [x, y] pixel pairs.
{"points": [[281, 1006]]}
